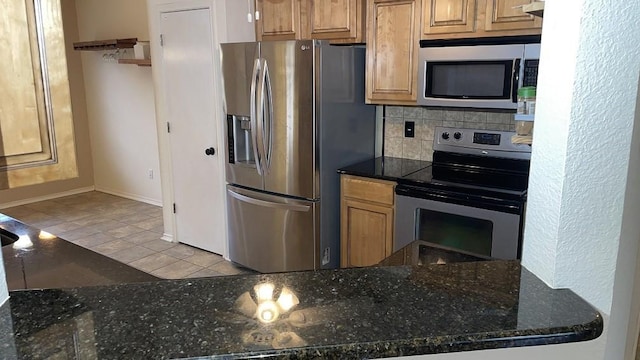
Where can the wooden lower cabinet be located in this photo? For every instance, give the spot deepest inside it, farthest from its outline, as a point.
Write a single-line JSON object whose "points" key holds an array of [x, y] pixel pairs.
{"points": [[367, 216]]}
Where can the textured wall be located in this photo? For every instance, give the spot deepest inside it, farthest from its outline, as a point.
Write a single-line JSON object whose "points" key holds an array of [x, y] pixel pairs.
{"points": [[581, 183], [420, 147]]}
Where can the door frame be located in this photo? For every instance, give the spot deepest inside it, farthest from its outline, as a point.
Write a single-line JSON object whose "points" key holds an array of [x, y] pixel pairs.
{"points": [[155, 9]]}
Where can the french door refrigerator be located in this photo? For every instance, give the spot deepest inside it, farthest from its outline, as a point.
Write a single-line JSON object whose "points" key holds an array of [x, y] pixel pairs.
{"points": [[295, 114]]}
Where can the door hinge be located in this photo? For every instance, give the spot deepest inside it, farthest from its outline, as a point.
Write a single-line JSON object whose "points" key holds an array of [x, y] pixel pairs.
{"points": [[174, 208], [161, 40], [168, 127]]}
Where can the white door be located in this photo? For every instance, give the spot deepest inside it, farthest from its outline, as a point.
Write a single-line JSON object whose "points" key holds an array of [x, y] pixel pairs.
{"points": [[188, 68]]}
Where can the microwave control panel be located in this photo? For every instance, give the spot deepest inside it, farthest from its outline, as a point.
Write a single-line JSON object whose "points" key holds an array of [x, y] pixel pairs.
{"points": [[530, 76]]}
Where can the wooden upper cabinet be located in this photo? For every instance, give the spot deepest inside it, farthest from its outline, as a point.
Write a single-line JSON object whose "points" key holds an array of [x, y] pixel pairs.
{"points": [[393, 31], [279, 20], [507, 15], [454, 19], [449, 16], [335, 19]]}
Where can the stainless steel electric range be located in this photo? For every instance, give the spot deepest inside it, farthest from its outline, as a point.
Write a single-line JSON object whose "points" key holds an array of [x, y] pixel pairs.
{"points": [[472, 198]]}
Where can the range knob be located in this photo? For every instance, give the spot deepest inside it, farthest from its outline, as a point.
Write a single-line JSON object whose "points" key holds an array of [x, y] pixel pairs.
{"points": [[445, 135], [457, 135]]}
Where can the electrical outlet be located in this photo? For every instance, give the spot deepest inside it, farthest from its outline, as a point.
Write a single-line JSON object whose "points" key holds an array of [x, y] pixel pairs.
{"points": [[326, 256], [409, 129], [150, 174]]}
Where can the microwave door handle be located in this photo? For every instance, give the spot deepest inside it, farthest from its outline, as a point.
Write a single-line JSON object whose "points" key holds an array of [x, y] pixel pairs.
{"points": [[254, 115], [515, 80]]}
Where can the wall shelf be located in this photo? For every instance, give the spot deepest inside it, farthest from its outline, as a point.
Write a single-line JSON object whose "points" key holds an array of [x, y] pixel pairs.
{"points": [[139, 62], [109, 44], [536, 8]]}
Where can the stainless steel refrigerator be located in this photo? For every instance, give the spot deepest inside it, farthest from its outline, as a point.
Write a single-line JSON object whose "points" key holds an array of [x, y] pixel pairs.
{"points": [[295, 114]]}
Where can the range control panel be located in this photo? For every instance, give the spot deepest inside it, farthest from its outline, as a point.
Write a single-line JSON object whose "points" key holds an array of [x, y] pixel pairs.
{"points": [[479, 142]]}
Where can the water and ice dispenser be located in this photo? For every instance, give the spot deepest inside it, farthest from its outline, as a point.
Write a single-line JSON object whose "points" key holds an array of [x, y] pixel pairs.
{"points": [[239, 140]]}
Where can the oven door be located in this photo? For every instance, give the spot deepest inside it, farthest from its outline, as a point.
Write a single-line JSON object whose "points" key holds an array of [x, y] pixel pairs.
{"points": [[475, 224]]}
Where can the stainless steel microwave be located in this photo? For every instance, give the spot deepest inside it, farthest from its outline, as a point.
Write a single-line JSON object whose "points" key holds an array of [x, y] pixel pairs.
{"points": [[475, 76]]}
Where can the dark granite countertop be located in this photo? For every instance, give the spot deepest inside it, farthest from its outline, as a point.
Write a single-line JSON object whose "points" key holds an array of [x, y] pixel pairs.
{"points": [[39, 260], [386, 168], [347, 314], [420, 252]]}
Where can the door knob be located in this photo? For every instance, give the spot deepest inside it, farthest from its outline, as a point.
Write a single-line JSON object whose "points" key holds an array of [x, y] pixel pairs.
{"points": [[210, 151]]}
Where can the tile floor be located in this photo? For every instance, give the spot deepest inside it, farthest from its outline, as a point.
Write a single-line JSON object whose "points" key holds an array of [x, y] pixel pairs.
{"points": [[125, 230]]}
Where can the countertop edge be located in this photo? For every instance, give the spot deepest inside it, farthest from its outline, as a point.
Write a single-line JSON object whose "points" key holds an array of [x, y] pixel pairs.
{"points": [[437, 344]]}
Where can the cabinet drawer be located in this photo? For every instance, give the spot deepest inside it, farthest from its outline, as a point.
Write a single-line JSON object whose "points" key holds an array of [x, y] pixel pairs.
{"points": [[379, 191]]}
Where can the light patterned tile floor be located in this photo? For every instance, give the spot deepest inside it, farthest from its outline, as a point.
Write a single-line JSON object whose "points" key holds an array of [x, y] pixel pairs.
{"points": [[125, 230]]}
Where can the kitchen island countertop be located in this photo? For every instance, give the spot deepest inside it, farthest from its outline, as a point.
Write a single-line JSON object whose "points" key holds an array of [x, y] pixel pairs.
{"points": [[348, 313], [42, 260]]}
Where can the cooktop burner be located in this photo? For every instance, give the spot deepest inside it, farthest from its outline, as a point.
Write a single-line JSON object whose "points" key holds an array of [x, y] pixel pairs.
{"points": [[476, 161]]}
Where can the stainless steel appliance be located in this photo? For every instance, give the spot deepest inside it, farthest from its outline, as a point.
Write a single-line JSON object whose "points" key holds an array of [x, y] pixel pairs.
{"points": [[295, 114], [472, 198], [478, 73]]}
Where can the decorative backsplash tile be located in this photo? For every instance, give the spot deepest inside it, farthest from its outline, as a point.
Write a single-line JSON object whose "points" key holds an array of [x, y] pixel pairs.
{"points": [[420, 147]]}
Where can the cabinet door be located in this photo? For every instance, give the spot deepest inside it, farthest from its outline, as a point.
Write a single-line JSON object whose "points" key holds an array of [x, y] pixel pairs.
{"points": [[335, 19], [279, 20], [393, 30], [367, 230], [449, 16], [507, 15]]}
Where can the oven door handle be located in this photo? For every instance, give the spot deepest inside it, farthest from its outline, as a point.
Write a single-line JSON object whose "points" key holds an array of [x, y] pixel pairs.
{"points": [[476, 201]]}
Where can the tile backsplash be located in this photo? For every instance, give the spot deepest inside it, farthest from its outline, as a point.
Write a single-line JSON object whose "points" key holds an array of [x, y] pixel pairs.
{"points": [[420, 147]]}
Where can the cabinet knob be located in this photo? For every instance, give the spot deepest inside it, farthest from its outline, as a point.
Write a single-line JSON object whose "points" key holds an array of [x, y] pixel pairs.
{"points": [[210, 151]]}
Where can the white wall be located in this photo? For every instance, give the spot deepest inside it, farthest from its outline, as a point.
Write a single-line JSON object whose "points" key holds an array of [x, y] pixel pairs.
{"points": [[583, 180], [120, 103]]}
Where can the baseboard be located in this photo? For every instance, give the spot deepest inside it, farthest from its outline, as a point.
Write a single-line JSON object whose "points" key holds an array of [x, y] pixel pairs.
{"points": [[47, 197], [135, 197], [167, 237]]}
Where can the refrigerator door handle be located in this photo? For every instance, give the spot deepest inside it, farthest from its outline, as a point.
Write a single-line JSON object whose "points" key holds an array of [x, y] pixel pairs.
{"points": [[254, 115], [269, 204], [268, 120]]}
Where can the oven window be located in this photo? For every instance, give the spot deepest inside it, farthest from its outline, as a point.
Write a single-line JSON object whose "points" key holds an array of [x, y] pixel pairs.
{"points": [[469, 79], [455, 231]]}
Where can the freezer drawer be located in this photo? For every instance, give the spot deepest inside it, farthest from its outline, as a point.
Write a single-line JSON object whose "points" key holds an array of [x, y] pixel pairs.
{"points": [[271, 233]]}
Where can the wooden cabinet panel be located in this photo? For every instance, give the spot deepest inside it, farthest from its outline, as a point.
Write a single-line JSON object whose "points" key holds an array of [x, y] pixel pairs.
{"points": [[366, 189], [449, 16], [367, 230], [505, 15], [392, 45], [366, 220], [455, 19], [338, 20], [331, 19], [279, 20]]}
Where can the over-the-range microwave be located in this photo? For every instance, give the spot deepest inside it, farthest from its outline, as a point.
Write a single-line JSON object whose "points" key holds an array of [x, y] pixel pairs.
{"points": [[477, 73]]}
